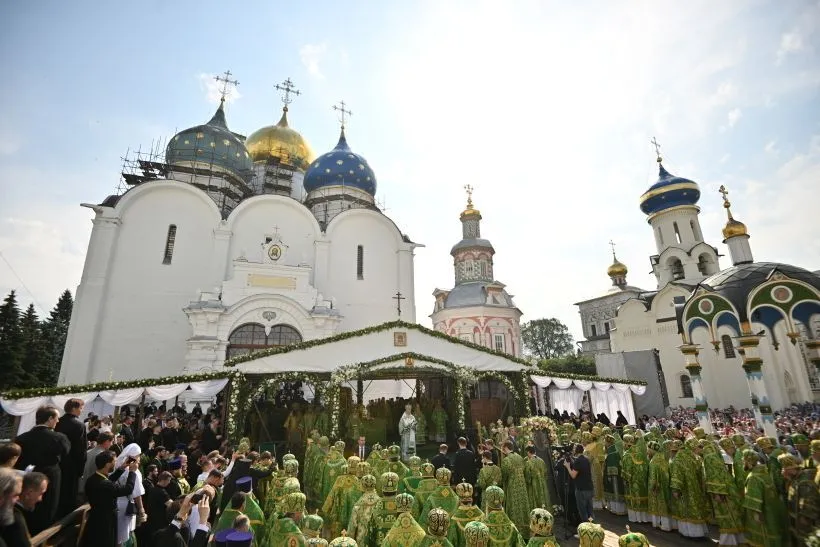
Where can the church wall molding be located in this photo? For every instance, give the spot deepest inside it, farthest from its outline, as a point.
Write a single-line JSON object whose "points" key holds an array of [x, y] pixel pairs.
{"points": [[150, 187]]}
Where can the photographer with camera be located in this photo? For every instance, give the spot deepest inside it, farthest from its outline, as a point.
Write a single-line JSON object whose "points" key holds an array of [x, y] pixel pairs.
{"points": [[580, 470]]}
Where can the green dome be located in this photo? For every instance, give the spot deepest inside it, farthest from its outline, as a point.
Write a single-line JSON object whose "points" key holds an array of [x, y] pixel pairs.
{"points": [[211, 146]]}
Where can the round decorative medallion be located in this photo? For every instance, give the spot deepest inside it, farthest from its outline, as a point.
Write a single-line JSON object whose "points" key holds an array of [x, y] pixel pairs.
{"points": [[706, 306], [269, 315], [274, 252], [781, 294]]}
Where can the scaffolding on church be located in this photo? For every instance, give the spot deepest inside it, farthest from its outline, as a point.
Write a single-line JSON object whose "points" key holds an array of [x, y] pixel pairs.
{"points": [[224, 187]]}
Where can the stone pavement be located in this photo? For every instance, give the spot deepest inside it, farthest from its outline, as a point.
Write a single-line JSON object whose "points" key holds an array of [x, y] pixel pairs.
{"points": [[616, 526]]}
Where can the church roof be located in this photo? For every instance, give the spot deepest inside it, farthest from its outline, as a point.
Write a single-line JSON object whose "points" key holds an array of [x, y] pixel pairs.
{"points": [[473, 242], [669, 191], [340, 167], [475, 293]]}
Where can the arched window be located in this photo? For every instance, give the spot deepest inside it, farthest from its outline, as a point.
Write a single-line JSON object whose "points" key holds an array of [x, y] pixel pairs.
{"points": [[677, 231], [695, 231], [677, 268], [728, 346], [660, 235], [251, 337], [704, 264], [685, 386]]}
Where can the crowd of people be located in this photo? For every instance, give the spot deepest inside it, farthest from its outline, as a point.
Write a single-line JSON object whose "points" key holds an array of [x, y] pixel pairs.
{"points": [[172, 479]]}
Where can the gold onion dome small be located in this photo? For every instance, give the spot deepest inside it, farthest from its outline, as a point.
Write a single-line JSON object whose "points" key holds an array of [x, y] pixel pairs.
{"points": [[733, 227], [617, 269], [280, 142], [470, 212]]}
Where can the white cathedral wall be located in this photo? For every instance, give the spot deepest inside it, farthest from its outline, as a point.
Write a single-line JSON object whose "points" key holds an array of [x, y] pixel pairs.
{"points": [[141, 330], [724, 380], [387, 269], [260, 216]]}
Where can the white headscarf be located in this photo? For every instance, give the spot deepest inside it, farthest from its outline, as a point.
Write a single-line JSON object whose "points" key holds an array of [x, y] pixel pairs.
{"points": [[133, 450]]}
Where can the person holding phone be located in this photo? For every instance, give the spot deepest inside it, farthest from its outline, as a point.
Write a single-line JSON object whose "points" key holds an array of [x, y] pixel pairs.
{"points": [[102, 490]]}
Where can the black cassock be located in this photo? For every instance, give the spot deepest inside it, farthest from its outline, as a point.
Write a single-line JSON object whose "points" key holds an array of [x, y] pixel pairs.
{"points": [[73, 465], [102, 494], [44, 449]]}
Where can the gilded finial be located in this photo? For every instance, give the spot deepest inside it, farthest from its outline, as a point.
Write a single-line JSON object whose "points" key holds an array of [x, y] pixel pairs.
{"points": [[657, 146], [287, 88], [343, 112], [226, 81], [733, 227], [612, 246], [726, 203]]}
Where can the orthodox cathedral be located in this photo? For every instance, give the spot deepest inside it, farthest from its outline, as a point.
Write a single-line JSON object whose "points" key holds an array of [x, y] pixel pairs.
{"points": [[231, 245], [745, 336]]}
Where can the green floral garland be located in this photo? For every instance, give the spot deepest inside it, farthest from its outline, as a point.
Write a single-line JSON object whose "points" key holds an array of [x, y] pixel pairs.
{"points": [[107, 386]]}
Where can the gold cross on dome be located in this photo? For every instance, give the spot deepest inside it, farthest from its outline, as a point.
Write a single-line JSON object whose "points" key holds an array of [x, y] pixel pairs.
{"points": [[287, 88], [723, 191], [343, 112], [612, 245], [469, 189], [657, 146], [226, 81]]}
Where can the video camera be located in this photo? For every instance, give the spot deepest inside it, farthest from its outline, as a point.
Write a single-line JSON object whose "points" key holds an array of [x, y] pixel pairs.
{"points": [[562, 452]]}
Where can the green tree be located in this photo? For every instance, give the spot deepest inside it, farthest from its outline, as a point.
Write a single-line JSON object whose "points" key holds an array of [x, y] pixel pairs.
{"points": [[571, 364], [12, 374], [546, 338], [55, 332], [33, 354]]}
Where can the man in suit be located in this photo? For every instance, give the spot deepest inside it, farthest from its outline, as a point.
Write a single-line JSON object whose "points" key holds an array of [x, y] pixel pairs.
{"points": [[127, 430], [464, 466], [513, 438], [441, 460], [44, 448], [169, 434], [211, 437], [361, 450], [176, 533], [72, 467], [102, 492], [104, 442], [34, 486]]}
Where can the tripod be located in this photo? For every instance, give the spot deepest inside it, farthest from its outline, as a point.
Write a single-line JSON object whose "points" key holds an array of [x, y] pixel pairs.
{"points": [[559, 477]]}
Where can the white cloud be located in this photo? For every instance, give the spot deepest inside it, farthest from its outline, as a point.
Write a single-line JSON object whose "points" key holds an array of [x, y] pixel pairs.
{"points": [[9, 143], [790, 42], [771, 147], [733, 116], [311, 56], [213, 88]]}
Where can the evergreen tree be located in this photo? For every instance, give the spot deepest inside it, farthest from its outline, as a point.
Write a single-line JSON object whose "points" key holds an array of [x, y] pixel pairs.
{"points": [[54, 334], [34, 355], [12, 374]]}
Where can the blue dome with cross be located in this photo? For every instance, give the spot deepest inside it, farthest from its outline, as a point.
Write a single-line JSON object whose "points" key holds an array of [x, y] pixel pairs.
{"points": [[340, 167], [669, 191]]}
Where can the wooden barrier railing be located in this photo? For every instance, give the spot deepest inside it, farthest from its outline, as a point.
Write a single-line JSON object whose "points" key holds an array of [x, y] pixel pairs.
{"points": [[64, 532]]}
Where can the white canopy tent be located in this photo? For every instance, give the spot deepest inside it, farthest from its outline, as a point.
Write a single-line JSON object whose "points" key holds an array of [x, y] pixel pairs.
{"points": [[604, 396]]}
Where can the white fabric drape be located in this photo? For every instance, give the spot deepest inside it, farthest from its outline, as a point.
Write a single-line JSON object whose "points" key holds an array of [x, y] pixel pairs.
{"points": [[166, 392], [610, 402], [562, 383], [119, 397], [209, 388], [583, 385], [569, 399], [541, 381], [602, 386], [638, 390]]}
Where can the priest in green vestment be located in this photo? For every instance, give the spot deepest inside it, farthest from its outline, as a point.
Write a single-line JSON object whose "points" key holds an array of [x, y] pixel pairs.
{"points": [[738, 469], [285, 530], [438, 424], [613, 483], [427, 485], [438, 523], [411, 481], [464, 514], [363, 509], [342, 497], [503, 532], [803, 501], [764, 516], [314, 468], [394, 463], [637, 464], [659, 489], [488, 475], [515, 488], [541, 524], [312, 526], [443, 496], [333, 468], [405, 532], [344, 541], [291, 486], [375, 455], [688, 492], [535, 473], [768, 445], [234, 509], [591, 534], [421, 426], [477, 534], [726, 503], [251, 507], [384, 513]]}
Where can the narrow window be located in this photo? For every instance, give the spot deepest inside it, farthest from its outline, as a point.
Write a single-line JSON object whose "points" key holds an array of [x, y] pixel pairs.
{"points": [[660, 235], [499, 342], [593, 330], [695, 230], [360, 262], [606, 327], [686, 386], [728, 347], [169, 244], [677, 231]]}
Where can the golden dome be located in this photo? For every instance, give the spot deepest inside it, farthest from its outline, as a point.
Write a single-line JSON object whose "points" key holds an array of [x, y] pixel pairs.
{"points": [[734, 228], [617, 269], [470, 211], [280, 142]]}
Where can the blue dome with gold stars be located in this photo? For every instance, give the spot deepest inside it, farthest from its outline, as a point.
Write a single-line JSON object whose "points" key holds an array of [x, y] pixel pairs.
{"points": [[340, 167], [211, 145], [669, 191]]}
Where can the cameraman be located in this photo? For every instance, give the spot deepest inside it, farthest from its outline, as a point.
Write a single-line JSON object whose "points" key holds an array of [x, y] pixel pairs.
{"points": [[581, 472]]}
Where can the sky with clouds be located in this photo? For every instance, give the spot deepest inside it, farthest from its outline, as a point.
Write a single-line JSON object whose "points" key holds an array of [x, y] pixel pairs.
{"points": [[545, 107]]}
